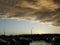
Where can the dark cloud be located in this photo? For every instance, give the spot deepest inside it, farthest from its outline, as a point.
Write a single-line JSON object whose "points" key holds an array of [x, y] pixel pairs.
{"points": [[31, 0], [9, 2], [57, 1], [42, 10]]}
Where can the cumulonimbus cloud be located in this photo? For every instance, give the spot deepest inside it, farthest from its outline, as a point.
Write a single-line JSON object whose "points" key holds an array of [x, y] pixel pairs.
{"points": [[42, 10]]}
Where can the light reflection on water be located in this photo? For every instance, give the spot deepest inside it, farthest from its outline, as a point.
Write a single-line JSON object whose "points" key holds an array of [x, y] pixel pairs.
{"points": [[40, 43]]}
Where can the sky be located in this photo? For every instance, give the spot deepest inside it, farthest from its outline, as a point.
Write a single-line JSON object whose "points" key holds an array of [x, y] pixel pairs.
{"points": [[19, 16], [14, 27]]}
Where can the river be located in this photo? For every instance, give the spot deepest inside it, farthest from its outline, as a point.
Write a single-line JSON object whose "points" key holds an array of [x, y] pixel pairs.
{"points": [[40, 43]]}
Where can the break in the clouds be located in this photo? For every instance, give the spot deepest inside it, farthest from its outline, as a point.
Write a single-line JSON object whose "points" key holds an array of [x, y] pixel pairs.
{"points": [[42, 10]]}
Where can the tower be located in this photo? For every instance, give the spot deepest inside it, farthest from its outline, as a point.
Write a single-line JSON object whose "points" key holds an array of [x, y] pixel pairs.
{"points": [[31, 30], [4, 32]]}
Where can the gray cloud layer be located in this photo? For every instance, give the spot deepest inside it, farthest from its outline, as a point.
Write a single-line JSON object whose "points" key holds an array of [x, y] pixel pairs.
{"points": [[42, 10]]}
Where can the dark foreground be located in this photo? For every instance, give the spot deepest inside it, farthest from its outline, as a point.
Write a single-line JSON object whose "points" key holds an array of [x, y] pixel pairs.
{"points": [[25, 39]]}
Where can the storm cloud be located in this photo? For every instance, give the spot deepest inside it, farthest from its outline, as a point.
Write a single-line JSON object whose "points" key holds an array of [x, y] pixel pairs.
{"points": [[41, 10]]}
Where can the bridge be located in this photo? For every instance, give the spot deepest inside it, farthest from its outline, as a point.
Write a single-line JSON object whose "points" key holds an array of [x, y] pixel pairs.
{"points": [[54, 39]]}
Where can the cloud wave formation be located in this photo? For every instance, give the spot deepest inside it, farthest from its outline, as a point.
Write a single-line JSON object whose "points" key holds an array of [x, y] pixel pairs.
{"points": [[41, 10]]}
